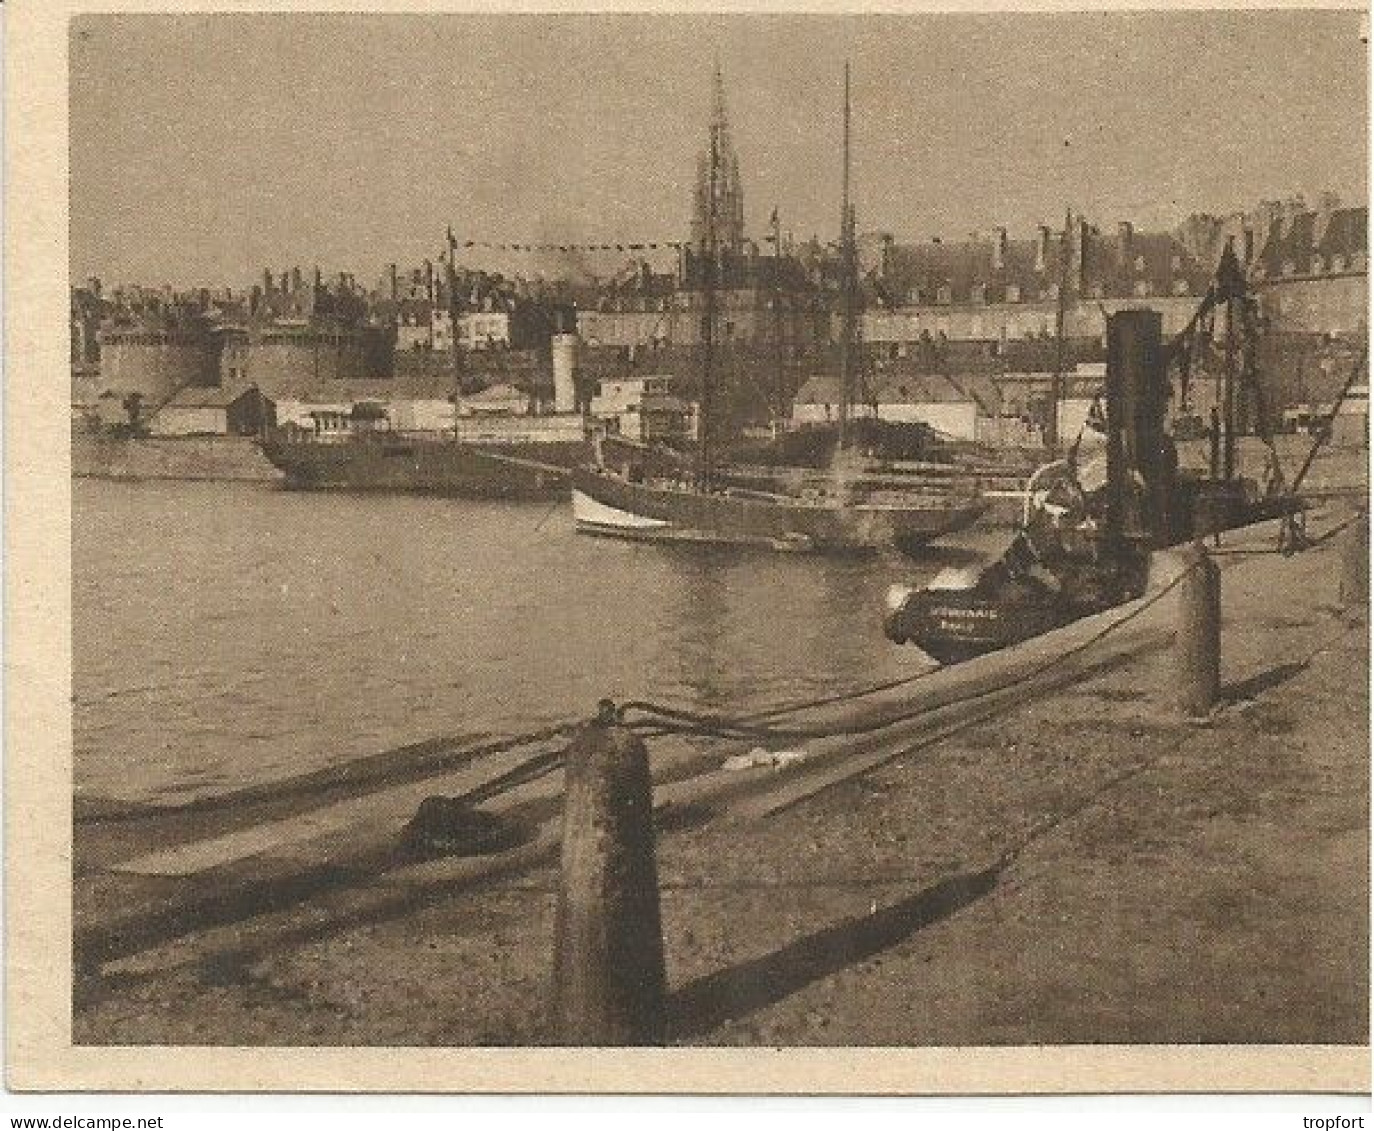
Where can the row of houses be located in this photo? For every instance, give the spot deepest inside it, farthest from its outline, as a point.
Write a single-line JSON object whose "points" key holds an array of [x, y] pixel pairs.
{"points": [[1004, 409], [326, 409]]}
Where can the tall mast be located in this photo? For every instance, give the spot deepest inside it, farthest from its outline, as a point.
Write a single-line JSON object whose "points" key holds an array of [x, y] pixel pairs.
{"points": [[780, 383], [1230, 291], [705, 446], [846, 282], [1228, 398], [451, 279], [1061, 308]]}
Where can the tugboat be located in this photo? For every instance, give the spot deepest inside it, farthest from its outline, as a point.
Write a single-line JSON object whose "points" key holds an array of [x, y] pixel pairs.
{"points": [[1090, 524], [1063, 564]]}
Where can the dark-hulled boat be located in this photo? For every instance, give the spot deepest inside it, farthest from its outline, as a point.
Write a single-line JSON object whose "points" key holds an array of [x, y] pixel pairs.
{"points": [[525, 456], [516, 465], [1085, 547]]}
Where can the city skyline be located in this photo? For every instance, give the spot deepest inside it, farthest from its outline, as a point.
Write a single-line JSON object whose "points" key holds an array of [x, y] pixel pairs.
{"points": [[204, 147]]}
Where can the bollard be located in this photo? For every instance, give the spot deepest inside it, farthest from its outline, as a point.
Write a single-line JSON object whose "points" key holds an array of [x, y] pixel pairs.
{"points": [[1199, 632], [609, 980], [1354, 591]]}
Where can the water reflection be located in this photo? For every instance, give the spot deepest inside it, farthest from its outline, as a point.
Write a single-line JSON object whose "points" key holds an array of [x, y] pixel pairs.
{"points": [[706, 652], [262, 633]]}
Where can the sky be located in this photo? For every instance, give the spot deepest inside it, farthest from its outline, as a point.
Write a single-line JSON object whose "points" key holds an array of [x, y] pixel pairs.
{"points": [[204, 147]]}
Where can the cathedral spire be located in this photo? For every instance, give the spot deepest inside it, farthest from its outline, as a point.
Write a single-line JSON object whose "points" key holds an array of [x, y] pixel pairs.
{"points": [[719, 184], [720, 124]]}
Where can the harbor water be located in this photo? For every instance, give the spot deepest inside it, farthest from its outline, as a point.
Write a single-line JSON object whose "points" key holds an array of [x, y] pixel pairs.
{"points": [[227, 634]]}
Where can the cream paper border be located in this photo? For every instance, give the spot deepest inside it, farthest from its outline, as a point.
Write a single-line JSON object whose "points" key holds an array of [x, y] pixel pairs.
{"points": [[38, 748]]}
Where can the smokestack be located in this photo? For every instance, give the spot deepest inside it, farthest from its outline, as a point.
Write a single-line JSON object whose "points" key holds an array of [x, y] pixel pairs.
{"points": [[295, 280], [429, 281], [267, 282], [395, 282], [1042, 248]]}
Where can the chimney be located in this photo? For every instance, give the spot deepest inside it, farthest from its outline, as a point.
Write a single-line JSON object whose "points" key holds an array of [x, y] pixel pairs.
{"points": [[295, 280], [395, 282], [429, 281], [1230, 227], [1042, 248], [1290, 210], [1125, 245], [1078, 254], [285, 283], [999, 249], [1327, 204], [267, 282]]}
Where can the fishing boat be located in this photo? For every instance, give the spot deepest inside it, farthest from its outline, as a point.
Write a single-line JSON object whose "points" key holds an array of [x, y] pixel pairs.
{"points": [[639, 494], [645, 493]]}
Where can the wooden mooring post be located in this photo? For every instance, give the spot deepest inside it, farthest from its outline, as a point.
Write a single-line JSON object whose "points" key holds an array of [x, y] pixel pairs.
{"points": [[1354, 591], [609, 980], [1199, 633]]}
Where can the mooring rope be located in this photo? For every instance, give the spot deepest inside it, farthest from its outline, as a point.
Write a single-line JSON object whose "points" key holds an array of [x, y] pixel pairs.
{"points": [[657, 719], [662, 719], [429, 758], [677, 721]]}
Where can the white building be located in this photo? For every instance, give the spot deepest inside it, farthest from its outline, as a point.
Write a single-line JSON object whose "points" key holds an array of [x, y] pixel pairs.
{"points": [[644, 408], [931, 400], [477, 329], [496, 400], [928, 399], [614, 397]]}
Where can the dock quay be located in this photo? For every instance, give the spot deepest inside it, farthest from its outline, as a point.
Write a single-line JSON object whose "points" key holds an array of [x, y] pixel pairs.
{"points": [[949, 859]]}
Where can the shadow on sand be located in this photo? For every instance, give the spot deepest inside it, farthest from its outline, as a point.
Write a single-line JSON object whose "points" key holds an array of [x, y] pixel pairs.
{"points": [[1261, 682], [704, 1004]]}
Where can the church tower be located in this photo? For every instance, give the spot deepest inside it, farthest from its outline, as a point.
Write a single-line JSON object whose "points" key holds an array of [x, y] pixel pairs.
{"points": [[724, 185]]}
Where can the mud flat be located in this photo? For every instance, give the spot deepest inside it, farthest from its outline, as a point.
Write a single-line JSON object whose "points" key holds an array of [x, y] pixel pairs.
{"points": [[1069, 863]]}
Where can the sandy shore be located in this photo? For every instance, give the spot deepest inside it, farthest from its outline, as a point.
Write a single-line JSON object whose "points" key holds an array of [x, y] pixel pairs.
{"points": [[1084, 867]]}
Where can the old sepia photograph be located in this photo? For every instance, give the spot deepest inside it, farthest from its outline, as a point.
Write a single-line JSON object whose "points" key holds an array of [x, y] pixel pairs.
{"points": [[749, 531]]}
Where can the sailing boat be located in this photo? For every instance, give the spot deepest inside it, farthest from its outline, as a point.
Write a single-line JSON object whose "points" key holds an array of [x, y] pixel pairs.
{"points": [[634, 491]]}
